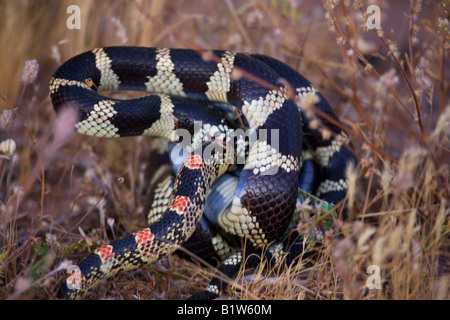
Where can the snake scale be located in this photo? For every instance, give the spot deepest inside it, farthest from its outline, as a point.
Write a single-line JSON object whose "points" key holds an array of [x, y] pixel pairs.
{"points": [[252, 145]]}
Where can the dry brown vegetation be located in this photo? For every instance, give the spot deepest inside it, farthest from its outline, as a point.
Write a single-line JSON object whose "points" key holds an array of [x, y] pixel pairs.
{"points": [[61, 194]]}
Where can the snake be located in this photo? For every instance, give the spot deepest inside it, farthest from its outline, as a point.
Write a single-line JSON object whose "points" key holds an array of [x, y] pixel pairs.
{"points": [[250, 141]]}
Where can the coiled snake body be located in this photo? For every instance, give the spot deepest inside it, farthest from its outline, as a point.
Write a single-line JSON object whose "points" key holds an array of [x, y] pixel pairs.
{"points": [[204, 92]]}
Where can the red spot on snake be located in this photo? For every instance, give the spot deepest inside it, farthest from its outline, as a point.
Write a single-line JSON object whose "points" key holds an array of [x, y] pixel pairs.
{"points": [[194, 161], [143, 236], [105, 252], [179, 204]]}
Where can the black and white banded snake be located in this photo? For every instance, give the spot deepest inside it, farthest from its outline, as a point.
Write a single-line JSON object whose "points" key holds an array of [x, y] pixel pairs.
{"points": [[188, 87]]}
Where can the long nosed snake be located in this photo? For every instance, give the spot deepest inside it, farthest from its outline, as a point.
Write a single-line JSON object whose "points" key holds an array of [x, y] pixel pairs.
{"points": [[204, 92]]}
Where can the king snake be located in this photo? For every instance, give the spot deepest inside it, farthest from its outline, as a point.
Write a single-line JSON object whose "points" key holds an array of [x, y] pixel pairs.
{"points": [[233, 106]]}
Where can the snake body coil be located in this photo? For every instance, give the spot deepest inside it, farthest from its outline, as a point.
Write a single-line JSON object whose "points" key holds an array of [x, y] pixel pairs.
{"points": [[186, 88]]}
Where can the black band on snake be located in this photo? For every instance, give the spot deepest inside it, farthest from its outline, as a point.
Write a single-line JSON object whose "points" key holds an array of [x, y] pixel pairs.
{"points": [[234, 106]]}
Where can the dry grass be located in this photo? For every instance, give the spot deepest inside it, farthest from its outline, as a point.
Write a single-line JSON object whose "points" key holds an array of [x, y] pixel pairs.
{"points": [[61, 195]]}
